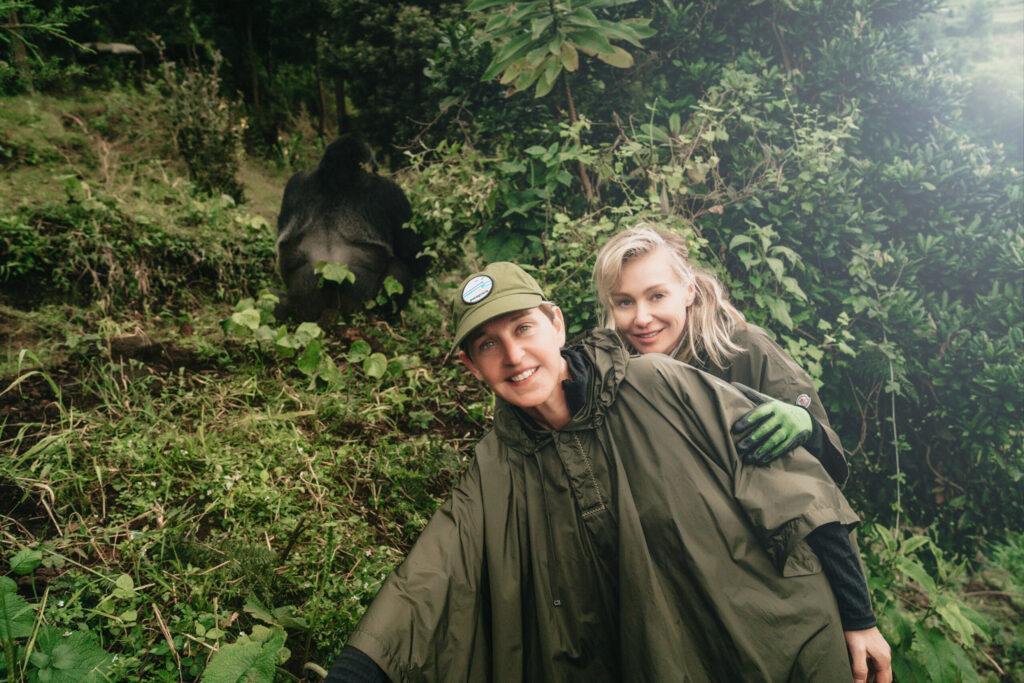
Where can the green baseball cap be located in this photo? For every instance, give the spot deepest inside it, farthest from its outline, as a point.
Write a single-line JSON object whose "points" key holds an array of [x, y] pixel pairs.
{"points": [[498, 289]]}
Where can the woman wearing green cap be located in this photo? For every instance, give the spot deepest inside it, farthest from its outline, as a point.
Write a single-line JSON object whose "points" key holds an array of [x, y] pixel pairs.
{"points": [[659, 302], [606, 530]]}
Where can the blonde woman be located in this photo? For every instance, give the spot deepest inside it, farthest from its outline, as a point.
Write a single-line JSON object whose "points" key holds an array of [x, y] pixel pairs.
{"points": [[659, 302]]}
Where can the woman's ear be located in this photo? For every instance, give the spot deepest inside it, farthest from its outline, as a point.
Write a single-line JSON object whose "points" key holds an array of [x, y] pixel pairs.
{"points": [[691, 292], [467, 361]]}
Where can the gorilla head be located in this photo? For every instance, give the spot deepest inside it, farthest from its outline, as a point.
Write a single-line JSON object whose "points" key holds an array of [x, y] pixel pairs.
{"points": [[343, 160], [342, 213]]}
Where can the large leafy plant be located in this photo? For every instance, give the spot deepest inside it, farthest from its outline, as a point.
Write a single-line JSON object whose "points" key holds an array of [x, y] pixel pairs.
{"points": [[540, 40]]}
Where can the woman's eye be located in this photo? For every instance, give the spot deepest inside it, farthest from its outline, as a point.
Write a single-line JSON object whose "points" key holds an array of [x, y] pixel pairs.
{"points": [[485, 346], [622, 303], [657, 297], [522, 328]]}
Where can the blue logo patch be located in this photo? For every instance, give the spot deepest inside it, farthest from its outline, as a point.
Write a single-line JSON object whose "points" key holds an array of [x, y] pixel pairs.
{"points": [[477, 289]]}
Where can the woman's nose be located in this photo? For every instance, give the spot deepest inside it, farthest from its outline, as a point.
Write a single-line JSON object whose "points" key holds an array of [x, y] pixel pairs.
{"points": [[643, 315], [513, 353]]}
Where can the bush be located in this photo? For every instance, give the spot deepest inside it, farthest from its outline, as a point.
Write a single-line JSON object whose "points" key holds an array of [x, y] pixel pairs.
{"points": [[207, 130]]}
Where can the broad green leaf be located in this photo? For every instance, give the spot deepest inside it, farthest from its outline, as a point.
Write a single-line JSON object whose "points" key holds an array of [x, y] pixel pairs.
{"points": [[570, 57], [540, 25], [309, 360], [913, 543], [775, 265], [249, 319], [583, 16], [375, 365], [544, 84], [964, 628], [511, 73], [25, 561], [250, 659], [527, 78], [673, 123], [655, 132], [592, 40], [358, 351], [640, 26], [335, 272], [910, 568], [614, 31], [780, 312], [507, 54], [16, 615], [392, 286], [71, 657], [286, 617], [479, 5], [254, 607], [308, 331], [245, 304], [738, 240]]}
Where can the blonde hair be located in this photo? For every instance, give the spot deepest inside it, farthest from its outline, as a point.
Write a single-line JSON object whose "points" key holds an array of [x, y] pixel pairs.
{"points": [[710, 319]]}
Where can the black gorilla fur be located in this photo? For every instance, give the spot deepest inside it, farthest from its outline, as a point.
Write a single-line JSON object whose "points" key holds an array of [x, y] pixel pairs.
{"points": [[341, 213]]}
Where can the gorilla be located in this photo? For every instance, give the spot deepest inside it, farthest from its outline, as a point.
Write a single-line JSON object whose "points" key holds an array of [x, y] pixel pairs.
{"points": [[341, 213]]}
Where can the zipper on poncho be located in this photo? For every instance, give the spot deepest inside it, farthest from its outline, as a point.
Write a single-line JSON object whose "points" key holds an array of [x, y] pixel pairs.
{"points": [[593, 479], [556, 601]]}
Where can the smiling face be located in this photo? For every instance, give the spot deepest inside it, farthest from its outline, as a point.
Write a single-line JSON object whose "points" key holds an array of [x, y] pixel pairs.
{"points": [[649, 303], [518, 356]]}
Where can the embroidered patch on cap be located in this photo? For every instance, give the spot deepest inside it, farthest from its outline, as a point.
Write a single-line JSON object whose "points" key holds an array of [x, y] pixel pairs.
{"points": [[477, 289], [803, 400]]}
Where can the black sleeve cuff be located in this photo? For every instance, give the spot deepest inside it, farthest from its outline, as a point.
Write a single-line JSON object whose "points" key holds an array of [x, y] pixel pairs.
{"points": [[816, 441], [355, 666], [841, 566], [822, 448]]}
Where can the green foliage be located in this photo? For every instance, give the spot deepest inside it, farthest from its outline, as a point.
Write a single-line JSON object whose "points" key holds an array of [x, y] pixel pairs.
{"points": [[91, 249], [68, 657], [251, 658], [37, 652], [916, 592], [207, 131], [27, 31], [255, 320], [17, 616], [538, 40]]}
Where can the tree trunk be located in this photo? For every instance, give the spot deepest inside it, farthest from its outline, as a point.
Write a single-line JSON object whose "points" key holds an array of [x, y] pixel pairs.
{"points": [[588, 189], [21, 64], [253, 71], [339, 97], [321, 97]]}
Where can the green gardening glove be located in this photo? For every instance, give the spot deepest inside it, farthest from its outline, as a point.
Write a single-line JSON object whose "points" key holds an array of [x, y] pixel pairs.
{"points": [[777, 427]]}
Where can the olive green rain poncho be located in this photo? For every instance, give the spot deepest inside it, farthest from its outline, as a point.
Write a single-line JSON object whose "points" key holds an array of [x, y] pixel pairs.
{"points": [[765, 367], [630, 545]]}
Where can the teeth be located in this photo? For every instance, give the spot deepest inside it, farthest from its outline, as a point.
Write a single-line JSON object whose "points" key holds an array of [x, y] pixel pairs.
{"points": [[648, 335], [522, 375]]}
